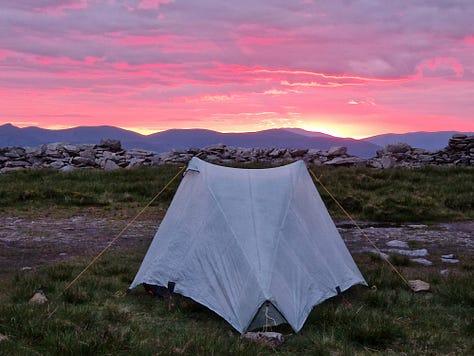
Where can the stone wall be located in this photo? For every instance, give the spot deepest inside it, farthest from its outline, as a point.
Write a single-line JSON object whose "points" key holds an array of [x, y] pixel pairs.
{"points": [[109, 155]]}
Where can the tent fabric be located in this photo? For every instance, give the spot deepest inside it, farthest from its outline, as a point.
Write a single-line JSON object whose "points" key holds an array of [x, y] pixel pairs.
{"points": [[233, 239]]}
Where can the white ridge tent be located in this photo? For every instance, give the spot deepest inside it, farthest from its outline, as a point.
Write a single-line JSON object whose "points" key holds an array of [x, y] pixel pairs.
{"points": [[256, 246]]}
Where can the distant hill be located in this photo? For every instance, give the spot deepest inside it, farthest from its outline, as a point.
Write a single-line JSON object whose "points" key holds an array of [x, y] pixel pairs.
{"points": [[181, 139], [431, 141]]}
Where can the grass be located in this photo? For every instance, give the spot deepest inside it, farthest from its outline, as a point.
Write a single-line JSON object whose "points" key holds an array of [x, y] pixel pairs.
{"points": [[95, 316], [400, 195], [394, 195]]}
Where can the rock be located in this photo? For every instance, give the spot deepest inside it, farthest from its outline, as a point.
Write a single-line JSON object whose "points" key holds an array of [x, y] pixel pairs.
{"points": [[71, 148], [220, 147], [39, 298], [418, 285], [17, 164], [58, 164], [135, 162], [444, 272], [397, 148], [417, 226], [388, 162], [298, 152], [63, 156], [412, 253], [83, 161], [449, 256], [272, 339], [68, 168], [15, 152], [422, 261], [3, 338], [380, 254], [277, 152], [11, 169], [111, 145], [337, 151], [449, 260], [397, 243], [345, 161], [110, 165]]}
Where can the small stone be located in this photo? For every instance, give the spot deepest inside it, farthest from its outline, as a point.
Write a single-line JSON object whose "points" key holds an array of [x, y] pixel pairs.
{"points": [[68, 168], [413, 253], [450, 256], [449, 260], [397, 243], [417, 226], [422, 261], [3, 337], [26, 268], [444, 272], [272, 339], [418, 285], [39, 298]]}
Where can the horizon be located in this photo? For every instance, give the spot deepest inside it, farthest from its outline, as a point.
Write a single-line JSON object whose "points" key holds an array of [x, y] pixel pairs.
{"points": [[234, 132], [343, 68]]}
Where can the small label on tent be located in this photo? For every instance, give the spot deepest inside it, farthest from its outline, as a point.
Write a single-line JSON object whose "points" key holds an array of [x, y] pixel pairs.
{"points": [[338, 290]]}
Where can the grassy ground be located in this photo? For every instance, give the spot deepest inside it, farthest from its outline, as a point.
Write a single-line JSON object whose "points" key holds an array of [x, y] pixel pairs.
{"points": [[95, 316], [394, 195]]}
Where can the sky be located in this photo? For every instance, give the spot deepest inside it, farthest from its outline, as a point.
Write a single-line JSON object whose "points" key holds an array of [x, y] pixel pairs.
{"points": [[350, 68]]}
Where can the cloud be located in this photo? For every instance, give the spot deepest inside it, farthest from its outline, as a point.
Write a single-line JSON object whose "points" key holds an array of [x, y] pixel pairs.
{"points": [[147, 57]]}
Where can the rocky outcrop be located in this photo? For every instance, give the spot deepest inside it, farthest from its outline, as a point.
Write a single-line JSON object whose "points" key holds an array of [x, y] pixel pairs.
{"points": [[459, 152], [109, 155]]}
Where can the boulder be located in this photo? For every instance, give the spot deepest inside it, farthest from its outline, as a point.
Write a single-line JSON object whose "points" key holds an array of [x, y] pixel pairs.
{"points": [[345, 161], [111, 145], [337, 151], [397, 148], [110, 165]]}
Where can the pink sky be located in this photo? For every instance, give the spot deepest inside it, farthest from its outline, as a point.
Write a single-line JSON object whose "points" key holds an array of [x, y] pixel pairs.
{"points": [[348, 68]]}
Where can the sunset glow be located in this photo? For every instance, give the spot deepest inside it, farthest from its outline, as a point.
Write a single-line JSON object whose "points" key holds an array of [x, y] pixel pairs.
{"points": [[346, 68]]}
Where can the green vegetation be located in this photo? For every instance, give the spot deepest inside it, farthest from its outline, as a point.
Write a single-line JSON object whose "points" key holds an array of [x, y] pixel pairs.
{"points": [[95, 316], [394, 195], [400, 195]]}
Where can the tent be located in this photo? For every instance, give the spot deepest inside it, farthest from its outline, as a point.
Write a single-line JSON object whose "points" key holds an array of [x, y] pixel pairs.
{"points": [[256, 246]]}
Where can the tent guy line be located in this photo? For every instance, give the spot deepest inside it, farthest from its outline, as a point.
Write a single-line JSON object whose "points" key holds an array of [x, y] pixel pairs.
{"points": [[360, 229], [96, 258]]}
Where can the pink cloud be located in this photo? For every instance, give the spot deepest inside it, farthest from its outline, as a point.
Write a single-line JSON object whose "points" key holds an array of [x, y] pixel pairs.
{"points": [[348, 65], [152, 4]]}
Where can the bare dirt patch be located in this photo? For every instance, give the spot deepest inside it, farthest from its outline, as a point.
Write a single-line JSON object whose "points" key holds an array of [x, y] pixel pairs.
{"points": [[29, 242]]}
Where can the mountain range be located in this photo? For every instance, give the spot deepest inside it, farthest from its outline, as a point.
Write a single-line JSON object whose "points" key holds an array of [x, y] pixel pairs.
{"points": [[168, 140]]}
